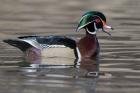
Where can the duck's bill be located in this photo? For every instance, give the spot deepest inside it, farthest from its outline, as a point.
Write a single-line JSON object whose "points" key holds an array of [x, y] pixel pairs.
{"points": [[106, 29]]}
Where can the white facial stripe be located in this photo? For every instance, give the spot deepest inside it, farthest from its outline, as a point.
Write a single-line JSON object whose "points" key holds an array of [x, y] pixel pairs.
{"points": [[93, 33], [84, 25]]}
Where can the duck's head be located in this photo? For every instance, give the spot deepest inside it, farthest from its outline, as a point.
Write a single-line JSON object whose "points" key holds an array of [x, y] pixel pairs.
{"points": [[92, 22]]}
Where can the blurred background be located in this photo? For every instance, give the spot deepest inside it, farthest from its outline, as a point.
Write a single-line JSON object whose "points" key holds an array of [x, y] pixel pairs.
{"points": [[120, 53], [43, 17]]}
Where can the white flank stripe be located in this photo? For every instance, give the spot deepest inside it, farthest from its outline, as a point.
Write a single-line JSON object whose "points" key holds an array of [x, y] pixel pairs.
{"points": [[79, 56]]}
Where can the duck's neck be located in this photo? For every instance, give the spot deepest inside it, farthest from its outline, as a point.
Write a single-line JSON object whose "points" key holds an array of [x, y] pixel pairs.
{"points": [[88, 46]]}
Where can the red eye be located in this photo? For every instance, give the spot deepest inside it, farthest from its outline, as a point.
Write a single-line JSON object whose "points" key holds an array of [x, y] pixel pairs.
{"points": [[97, 20]]}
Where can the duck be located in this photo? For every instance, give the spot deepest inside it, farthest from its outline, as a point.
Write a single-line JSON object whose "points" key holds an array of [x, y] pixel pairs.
{"points": [[38, 48]]}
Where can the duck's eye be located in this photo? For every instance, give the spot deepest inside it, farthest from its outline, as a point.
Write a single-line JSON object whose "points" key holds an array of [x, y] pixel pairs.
{"points": [[97, 20]]}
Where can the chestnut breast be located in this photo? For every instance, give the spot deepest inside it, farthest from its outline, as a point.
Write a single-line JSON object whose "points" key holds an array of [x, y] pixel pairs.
{"points": [[87, 46]]}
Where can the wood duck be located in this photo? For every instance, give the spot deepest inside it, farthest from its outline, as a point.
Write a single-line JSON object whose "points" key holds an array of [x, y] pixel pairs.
{"points": [[87, 48], [92, 22]]}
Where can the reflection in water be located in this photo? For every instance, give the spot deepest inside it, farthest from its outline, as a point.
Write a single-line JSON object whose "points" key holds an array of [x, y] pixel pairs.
{"points": [[87, 67], [16, 82], [72, 78], [51, 78]]}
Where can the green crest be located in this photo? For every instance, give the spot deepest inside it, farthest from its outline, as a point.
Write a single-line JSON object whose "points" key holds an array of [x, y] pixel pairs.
{"points": [[87, 18]]}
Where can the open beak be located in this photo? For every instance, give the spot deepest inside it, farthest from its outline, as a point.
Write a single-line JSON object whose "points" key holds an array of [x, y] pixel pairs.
{"points": [[106, 28]]}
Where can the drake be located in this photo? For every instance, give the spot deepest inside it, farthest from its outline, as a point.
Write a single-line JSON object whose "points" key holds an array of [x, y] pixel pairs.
{"points": [[92, 22], [38, 48]]}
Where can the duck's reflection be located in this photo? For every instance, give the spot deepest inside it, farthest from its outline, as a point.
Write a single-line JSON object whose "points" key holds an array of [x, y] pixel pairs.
{"points": [[78, 79], [91, 66], [60, 78], [85, 68], [51, 80]]}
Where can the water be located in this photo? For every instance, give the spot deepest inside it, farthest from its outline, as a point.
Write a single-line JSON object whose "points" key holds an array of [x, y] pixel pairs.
{"points": [[119, 53], [48, 79], [14, 82]]}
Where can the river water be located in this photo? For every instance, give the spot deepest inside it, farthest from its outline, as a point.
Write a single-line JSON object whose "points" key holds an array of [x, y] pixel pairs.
{"points": [[119, 67]]}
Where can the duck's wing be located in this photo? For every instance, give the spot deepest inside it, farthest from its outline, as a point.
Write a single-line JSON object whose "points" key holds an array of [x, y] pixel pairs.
{"points": [[32, 40], [57, 41], [23, 46], [40, 42], [47, 41], [24, 42]]}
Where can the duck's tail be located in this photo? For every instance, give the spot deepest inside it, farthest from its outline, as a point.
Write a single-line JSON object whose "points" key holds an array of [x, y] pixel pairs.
{"points": [[23, 46]]}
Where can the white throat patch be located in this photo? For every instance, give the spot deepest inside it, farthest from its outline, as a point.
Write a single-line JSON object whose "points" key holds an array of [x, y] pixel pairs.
{"points": [[93, 33]]}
